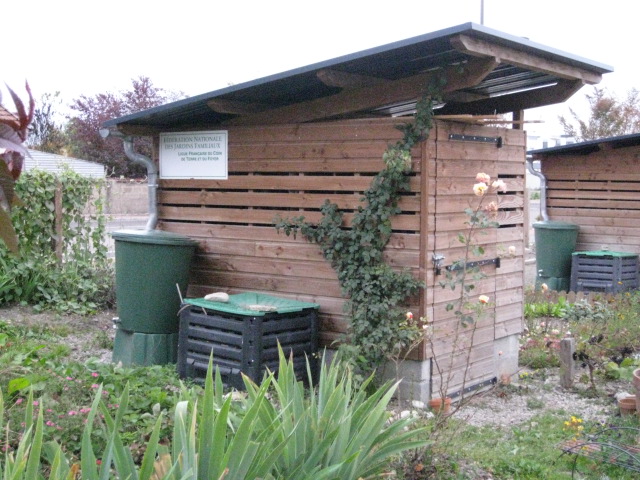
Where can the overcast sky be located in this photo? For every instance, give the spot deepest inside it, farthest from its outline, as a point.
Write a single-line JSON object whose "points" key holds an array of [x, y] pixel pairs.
{"points": [[87, 47]]}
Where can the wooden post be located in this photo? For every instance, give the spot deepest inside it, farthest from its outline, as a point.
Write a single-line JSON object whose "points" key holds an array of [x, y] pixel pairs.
{"points": [[518, 120], [567, 363], [58, 221], [527, 216]]}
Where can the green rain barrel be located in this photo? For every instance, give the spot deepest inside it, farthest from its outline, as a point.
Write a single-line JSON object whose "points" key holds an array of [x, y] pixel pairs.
{"points": [[149, 264], [555, 244]]}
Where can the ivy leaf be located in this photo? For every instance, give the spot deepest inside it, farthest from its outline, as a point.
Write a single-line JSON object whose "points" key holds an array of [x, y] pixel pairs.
{"points": [[17, 384]]}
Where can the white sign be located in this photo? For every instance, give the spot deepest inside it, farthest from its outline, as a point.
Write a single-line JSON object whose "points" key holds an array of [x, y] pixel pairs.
{"points": [[194, 155]]}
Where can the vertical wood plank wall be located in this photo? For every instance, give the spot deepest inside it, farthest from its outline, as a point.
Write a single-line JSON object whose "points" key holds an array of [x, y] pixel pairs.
{"points": [[600, 193], [455, 167], [291, 170]]}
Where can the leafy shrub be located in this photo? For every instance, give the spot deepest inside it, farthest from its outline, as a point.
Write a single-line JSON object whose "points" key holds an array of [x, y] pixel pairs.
{"points": [[623, 370], [81, 281], [583, 311], [605, 331], [546, 309]]}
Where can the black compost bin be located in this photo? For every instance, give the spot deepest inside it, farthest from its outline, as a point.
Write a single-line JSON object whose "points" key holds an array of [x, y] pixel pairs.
{"points": [[604, 271], [243, 336]]}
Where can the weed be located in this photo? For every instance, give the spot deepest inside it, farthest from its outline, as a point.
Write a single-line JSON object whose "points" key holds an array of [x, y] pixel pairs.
{"points": [[535, 403], [103, 340]]}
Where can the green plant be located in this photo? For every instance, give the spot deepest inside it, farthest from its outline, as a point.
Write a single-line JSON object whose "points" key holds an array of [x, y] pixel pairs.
{"points": [[540, 342], [605, 332], [584, 311], [535, 403], [539, 357], [103, 340], [76, 276], [523, 451], [546, 309], [374, 290], [214, 450], [535, 195], [622, 371], [337, 431], [35, 358]]}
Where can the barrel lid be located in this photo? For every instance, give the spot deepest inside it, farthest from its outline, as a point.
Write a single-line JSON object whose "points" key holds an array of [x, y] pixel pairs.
{"points": [[605, 253], [156, 237], [554, 225], [253, 304]]}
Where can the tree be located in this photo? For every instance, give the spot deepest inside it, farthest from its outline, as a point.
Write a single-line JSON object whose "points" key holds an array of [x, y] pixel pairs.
{"points": [[45, 133], [13, 133], [83, 129], [608, 116]]}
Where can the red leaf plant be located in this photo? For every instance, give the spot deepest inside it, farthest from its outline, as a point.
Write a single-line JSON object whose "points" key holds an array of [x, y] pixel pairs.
{"points": [[14, 128]]}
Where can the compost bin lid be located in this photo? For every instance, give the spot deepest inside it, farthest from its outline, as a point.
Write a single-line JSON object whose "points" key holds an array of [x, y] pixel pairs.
{"points": [[553, 225], [156, 237], [605, 253], [253, 304]]}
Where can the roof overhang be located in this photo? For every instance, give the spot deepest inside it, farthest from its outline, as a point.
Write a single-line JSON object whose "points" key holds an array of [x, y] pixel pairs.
{"points": [[587, 147], [482, 71]]}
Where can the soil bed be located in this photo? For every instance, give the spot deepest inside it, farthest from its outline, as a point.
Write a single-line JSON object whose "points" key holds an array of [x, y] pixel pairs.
{"points": [[531, 393]]}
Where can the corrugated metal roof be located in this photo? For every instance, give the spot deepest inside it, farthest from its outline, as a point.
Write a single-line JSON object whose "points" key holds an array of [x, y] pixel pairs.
{"points": [[51, 162], [398, 60], [589, 146]]}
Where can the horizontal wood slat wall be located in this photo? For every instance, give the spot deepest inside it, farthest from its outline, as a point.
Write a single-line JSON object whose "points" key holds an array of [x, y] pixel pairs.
{"points": [[290, 170], [464, 356], [600, 193], [287, 171]]}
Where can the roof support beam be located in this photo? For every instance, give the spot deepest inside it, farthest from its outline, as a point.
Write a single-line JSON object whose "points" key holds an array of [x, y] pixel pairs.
{"points": [[482, 48], [393, 91], [336, 78], [557, 93], [138, 130], [235, 107]]}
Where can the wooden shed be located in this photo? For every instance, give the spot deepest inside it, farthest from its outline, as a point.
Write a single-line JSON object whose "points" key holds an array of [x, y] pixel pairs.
{"points": [[596, 185], [315, 133]]}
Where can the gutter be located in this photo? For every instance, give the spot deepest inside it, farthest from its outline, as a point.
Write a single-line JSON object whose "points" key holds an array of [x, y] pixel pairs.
{"points": [[152, 173], [543, 188]]}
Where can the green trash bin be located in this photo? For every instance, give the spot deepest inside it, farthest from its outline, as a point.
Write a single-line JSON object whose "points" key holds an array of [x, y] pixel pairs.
{"points": [[149, 265], [555, 243]]}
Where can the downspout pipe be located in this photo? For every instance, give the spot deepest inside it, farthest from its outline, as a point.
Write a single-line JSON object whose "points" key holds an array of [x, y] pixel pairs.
{"points": [[543, 188], [152, 173]]}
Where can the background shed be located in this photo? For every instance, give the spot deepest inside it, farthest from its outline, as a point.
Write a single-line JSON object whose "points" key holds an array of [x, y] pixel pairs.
{"points": [[319, 132], [596, 185], [51, 162]]}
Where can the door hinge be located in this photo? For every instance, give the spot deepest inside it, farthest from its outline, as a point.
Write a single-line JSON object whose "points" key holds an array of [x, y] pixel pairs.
{"points": [[476, 138]]}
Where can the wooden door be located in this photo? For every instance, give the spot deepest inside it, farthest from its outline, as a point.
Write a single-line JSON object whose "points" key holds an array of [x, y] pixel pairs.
{"points": [[463, 354]]}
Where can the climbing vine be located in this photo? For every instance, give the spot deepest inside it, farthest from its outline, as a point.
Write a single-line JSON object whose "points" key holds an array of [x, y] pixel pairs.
{"points": [[380, 326], [80, 281]]}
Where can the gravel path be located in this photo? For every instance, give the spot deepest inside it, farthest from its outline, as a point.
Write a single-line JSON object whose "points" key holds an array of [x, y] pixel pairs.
{"points": [[515, 404]]}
